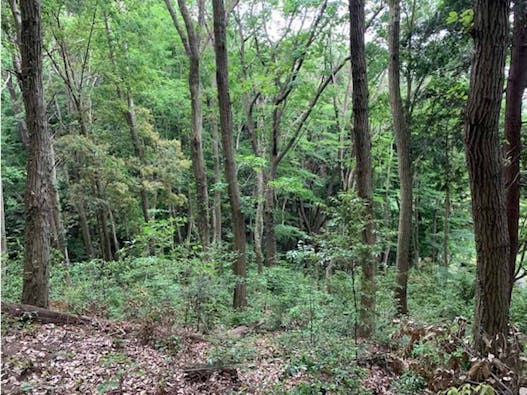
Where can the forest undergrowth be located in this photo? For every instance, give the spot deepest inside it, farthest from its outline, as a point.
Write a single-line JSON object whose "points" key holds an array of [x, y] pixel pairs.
{"points": [[156, 321]]}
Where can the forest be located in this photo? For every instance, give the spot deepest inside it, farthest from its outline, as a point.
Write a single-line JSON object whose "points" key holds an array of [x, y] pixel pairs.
{"points": [[264, 197]]}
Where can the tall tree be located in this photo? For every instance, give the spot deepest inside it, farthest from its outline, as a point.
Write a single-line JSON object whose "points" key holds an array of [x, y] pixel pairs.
{"points": [[191, 38], [482, 146], [39, 185], [516, 84], [402, 139], [227, 140], [363, 169]]}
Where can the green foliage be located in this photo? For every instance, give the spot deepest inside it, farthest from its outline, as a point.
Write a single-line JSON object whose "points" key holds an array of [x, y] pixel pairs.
{"points": [[470, 389], [408, 384]]}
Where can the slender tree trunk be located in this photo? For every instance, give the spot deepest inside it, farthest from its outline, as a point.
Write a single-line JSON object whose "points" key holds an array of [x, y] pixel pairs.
{"points": [[21, 122], [434, 235], [415, 228], [216, 212], [259, 220], [3, 242], [402, 138], [513, 120], [446, 225], [39, 184], [269, 231], [362, 147], [482, 144], [139, 153], [85, 228], [224, 101], [196, 150], [106, 244]]}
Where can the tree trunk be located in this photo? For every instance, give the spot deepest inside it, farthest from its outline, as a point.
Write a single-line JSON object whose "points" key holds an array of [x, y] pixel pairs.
{"points": [[106, 243], [446, 226], [85, 228], [415, 228], [21, 123], [42, 315], [216, 212], [224, 101], [513, 120], [39, 184], [259, 220], [269, 233], [3, 241], [196, 151], [402, 138], [482, 145], [362, 147], [139, 153]]}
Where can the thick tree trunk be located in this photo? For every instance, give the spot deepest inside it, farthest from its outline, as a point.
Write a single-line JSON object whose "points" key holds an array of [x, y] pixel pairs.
{"points": [[513, 120], [482, 144], [362, 147], [39, 184], [224, 101], [402, 138]]}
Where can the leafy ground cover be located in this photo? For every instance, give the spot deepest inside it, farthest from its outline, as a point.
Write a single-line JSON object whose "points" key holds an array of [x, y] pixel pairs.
{"points": [[129, 358]]}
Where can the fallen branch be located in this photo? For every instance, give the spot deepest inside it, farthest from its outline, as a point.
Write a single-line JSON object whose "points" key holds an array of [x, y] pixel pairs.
{"points": [[43, 316]]}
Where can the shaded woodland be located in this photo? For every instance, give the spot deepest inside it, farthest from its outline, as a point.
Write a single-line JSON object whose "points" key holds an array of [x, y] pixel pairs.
{"points": [[264, 196]]}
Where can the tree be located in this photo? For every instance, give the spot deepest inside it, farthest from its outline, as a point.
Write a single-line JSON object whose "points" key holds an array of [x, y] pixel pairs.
{"points": [[516, 84], [224, 102], [362, 146], [192, 40], [39, 185], [482, 146], [402, 138]]}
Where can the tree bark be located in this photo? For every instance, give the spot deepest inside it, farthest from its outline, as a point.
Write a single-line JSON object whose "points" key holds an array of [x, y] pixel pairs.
{"points": [[446, 225], [402, 139], [3, 241], [191, 42], [482, 145], [85, 228], [216, 211], [224, 101], [516, 84], [362, 147], [42, 315], [38, 197], [139, 153]]}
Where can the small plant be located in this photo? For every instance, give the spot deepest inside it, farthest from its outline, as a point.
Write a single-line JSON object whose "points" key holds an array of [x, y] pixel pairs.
{"points": [[409, 384]]}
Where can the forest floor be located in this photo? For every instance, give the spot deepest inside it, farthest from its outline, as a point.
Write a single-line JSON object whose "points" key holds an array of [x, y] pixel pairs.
{"points": [[114, 358], [108, 357]]}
